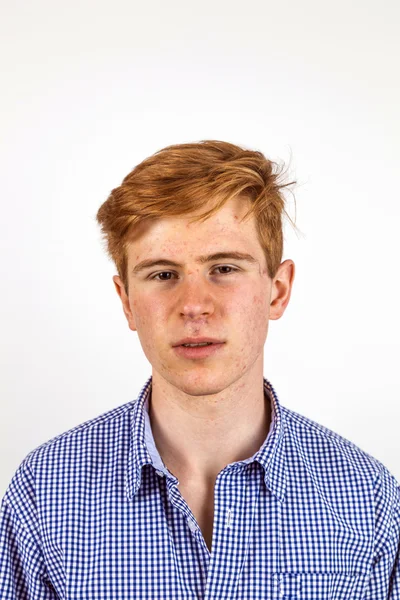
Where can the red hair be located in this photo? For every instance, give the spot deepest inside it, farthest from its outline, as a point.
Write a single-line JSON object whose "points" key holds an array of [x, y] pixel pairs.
{"points": [[183, 178]]}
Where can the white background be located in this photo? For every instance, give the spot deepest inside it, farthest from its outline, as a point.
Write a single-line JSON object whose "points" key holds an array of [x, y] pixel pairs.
{"points": [[89, 89]]}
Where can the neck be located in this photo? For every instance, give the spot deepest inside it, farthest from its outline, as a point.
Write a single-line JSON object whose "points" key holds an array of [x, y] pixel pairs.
{"points": [[197, 436]]}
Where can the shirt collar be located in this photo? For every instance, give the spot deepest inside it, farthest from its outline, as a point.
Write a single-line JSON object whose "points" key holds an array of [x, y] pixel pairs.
{"points": [[143, 451]]}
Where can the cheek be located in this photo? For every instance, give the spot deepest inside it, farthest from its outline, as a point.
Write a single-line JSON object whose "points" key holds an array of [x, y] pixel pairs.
{"points": [[260, 305], [257, 328], [259, 311], [257, 317], [249, 305], [147, 318], [147, 311]]}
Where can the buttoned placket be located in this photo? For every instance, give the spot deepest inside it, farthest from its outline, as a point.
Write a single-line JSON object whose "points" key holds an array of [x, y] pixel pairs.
{"points": [[233, 512]]}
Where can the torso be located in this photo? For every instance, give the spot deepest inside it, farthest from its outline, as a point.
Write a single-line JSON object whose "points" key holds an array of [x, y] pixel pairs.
{"points": [[200, 499]]}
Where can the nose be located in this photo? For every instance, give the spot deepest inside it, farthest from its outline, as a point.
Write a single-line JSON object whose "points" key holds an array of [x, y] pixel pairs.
{"points": [[195, 297]]}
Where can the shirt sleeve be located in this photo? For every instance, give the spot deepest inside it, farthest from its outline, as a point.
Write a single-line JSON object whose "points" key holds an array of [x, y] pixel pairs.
{"points": [[23, 573], [394, 583], [384, 583]]}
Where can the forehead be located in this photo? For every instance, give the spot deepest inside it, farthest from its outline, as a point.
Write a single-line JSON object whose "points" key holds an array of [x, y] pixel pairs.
{"points": [[180, 233]]}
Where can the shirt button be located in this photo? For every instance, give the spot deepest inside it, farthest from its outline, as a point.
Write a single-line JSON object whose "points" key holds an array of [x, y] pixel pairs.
{"points": [[160, 473], [192, 525]]}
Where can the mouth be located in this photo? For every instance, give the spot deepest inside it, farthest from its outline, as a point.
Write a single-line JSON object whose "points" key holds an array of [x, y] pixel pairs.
{"points": [[196, 341], [199, 351]]}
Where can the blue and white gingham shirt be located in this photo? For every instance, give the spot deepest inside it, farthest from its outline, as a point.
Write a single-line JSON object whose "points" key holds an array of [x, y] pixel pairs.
{"points": [[94, 514]]}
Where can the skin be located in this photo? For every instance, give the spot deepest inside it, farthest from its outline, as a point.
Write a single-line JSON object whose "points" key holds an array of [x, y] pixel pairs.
{"points": [[218, 402]]}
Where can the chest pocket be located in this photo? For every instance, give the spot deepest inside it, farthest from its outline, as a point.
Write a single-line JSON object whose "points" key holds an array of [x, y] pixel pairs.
{"points": [[319, 586]]}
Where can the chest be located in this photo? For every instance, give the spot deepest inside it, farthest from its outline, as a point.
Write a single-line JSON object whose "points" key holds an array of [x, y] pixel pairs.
{"points": [[200, 499], [282, 550]]}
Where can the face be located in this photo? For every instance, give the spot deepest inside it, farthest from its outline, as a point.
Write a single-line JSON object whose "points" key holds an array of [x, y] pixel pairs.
{"points": [[229, 299]]}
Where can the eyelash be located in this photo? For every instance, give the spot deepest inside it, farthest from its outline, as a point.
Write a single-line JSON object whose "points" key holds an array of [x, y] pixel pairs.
{"points": [[234, 269]]}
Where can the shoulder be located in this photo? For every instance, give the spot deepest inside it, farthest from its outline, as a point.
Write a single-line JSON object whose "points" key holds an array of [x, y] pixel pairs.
{"points": [[91, 430], [327, 453], [88, 447]]}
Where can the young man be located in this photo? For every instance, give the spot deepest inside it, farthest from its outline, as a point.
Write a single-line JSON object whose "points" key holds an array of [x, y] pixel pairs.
{"points": [[205, 486]]}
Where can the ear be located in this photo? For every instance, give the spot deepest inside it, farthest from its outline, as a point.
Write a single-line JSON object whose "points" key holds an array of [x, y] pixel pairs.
{"points": [[119, 286], [281, 289]]}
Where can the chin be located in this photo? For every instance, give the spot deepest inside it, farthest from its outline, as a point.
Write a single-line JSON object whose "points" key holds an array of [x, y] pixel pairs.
{"points": [[200, 384]]}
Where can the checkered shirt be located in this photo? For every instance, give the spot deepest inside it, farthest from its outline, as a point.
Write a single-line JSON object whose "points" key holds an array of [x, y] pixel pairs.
{"points": [[94, 514]]}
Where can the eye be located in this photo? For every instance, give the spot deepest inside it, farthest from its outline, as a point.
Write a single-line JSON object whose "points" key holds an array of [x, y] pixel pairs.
{"points": [[162, 273], [157, 275], [233, 269]]}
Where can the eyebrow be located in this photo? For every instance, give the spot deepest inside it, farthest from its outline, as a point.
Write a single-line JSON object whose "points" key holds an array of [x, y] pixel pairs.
{"points": [[146, 264]]}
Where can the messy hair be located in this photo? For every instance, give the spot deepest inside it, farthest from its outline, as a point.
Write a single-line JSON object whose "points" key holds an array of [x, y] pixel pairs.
{"points": [[181, 179]]}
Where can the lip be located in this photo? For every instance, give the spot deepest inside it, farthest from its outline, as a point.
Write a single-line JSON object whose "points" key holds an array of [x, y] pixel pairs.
{"points": [[197, 340], [200, 352]]}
